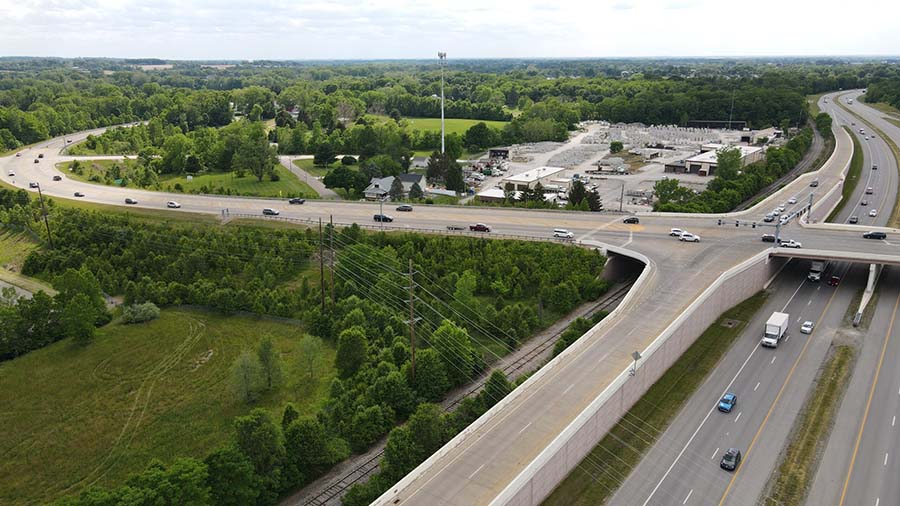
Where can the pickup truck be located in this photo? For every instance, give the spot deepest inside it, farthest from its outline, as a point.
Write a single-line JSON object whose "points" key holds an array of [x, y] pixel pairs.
{"points": [[479, 227]]}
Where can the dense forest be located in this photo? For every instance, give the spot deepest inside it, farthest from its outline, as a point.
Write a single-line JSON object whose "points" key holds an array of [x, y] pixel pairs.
{"points": [[884, 90], [476, 300]]}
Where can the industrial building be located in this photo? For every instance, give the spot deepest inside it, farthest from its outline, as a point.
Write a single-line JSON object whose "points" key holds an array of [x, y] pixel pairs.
{"points": [[704, 164], [530, 179]]}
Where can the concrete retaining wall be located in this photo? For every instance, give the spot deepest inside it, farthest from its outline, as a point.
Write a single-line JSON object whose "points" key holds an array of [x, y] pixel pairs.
{"points": [[539, 479]]}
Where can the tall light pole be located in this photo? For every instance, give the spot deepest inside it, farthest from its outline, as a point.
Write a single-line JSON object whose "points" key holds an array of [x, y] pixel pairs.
{"points": [[442, 57]]}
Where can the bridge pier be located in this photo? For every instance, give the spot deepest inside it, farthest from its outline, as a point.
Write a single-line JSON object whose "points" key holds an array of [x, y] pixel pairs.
{"points": [[874, 273]]}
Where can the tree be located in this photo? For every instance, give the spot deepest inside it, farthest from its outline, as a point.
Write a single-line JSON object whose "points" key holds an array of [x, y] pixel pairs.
{"points": [[247, 380], [395, 115], [396, 191], [429, 429], [454, 178], [77, 319], [415, 191], [310, 351], [496, 388], [400, 453], [254, 153], [823, 124], [289, 415], [509, 192], [577, 193], [616, 147], [728, 163], [480, 136], [435, 167], [594, 202], [324, 155], [668, 190], [352, 351], [306, 445], [455, 348], [230, 477], [259, 438], [270, 363], [430, 381]]}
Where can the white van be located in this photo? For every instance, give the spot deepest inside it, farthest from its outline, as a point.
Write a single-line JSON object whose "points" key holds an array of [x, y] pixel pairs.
{"points": [[563, 233]]}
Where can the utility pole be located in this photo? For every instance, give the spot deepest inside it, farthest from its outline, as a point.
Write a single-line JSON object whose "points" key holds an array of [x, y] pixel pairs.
{"points": [[732, 108], [622, 196], [44, 212], [442, 57], [412, 322], [322, 264], [331, 258]]}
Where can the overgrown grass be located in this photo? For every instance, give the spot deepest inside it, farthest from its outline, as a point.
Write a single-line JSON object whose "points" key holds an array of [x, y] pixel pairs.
{"points": [[813, 101], [14, 248], [790, 482], [882, 107], [451, 125], [893, 121], [74, 416], [853, 176], [621, 449], [315, 170]]}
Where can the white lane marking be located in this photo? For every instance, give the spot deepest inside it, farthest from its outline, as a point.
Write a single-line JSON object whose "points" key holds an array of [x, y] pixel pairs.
{"points": [[525, 427], [715, 453], [773, 359], [893, 420], [567, 390], [786, 338], [476, 471], [793, 295], [877, 500], [810, 302], [798, 319], [630, 238], [885, 458], [738, 417], [688, 497], [757, 386], [684, 449]]}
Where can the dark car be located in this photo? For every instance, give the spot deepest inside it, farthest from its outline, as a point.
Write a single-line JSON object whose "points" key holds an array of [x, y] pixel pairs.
{"points": [[731, 460], [36, 160], [479, 227], [875, 235], [383, 217], [768, 238], [455, 227], [864, 202], [33, 184], [297, 200], [79, 194], [834, 281], [270, 212], [853, 219], [404, 208], [41, 155], [631, 219], [130, 201], [727, 403], [874, 167], [57, 178], [814, 184]]}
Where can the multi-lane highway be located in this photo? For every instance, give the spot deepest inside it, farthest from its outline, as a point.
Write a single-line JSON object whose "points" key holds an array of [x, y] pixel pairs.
{"points": [[481, 465]]}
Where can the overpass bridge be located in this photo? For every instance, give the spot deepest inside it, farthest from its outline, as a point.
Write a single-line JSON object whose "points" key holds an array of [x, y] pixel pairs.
{"points": [[518, 451]]}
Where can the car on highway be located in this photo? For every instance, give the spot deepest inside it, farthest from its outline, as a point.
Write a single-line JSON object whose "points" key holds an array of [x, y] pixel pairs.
{"points": [[57, 178], [869, 190], [79, 194], [790, 243], [479, 227], [783, 220], [727, 402], [562, 233], [807, 327], [37, 161], [41, 155], [689, 237], [776, 213], [383, 218], [676, 232], [297, 200], [864, 202], [455, 227], [873, 213], [633, 220], [173, 205], [853, 219], [792, 200], [874, 235], [769, 218], [780, 209], [814, 184], [33, 184], [268, 211], [874, 167], [834, 281], [11, 173], [731, 460], [404, 208], [768, 238], [130, 201], [18, 155]]}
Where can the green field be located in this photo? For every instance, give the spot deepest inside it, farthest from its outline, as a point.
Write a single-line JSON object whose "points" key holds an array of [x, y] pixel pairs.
{"points": [[317, 171], [451, 125], [77, 416], [288, 184]]}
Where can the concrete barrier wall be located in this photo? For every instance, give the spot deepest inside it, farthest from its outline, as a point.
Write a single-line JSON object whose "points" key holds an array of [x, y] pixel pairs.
{"points": [[539, 479]]}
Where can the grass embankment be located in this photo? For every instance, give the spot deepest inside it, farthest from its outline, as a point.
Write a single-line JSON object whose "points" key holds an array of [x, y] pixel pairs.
{"points": [[220, 182], [596, 480], [793, 476], [853, 176], [895, 212], [73, 416], [317, 171], [813, 102], [14, 248]]}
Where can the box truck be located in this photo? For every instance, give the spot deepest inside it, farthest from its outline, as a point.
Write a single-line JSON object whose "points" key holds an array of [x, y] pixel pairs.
{"points": [[775, 329], [816, 269]]}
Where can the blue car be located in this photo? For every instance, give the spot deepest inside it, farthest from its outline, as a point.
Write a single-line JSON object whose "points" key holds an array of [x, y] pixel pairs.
{"points": [[727, 403]]}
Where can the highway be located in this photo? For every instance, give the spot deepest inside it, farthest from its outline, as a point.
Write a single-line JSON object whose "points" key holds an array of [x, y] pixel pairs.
{"points": [[480, 467]]}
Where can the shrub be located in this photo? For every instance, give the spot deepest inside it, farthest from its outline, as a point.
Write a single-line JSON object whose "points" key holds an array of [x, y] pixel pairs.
{"points": [[139, 313], [348, 160]]}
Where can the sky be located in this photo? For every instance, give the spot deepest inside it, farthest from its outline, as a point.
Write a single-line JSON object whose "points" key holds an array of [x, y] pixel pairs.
{"points": [[411, 29]]}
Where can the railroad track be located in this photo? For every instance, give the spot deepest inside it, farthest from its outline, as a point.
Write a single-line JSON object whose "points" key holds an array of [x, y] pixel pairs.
{"points": [[364, 469]]}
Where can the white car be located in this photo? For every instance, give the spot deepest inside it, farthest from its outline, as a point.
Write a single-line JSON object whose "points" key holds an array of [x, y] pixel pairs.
{"points": [[563, 233], [807, 327], [689, 237], [792, 200], [11, 173], [873, 213], [172, 204], [780, 209], [791, 244], [676, 232], [783, 220]]}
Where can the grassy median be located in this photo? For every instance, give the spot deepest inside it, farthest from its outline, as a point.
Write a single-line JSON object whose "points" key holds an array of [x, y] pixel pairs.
{"points": [[601, 473], [853, 175], [793, 476]]}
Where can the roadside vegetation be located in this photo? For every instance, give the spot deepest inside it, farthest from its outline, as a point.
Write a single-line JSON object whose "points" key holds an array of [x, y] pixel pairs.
{"points": [[853, 176], [790, 482], [612, 460]]}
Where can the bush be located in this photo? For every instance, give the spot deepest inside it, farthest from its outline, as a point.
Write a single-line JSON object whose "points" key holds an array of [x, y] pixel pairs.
{"points": [[139, 313], [348, 160], [274, 176]]}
